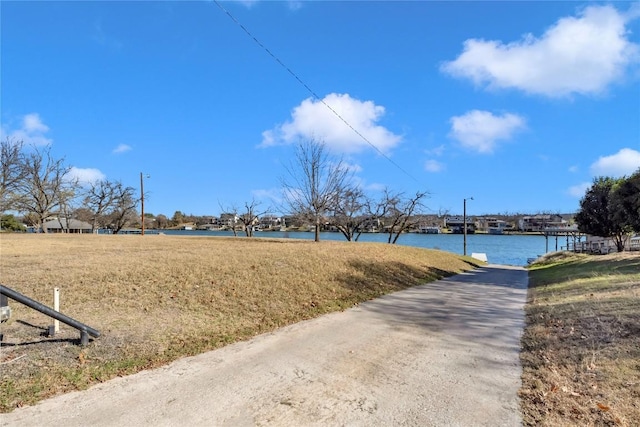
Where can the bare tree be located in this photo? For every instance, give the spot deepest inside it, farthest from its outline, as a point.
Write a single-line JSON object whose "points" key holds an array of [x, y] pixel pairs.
{"points": [[44, 182], [399, 212], [314, 182], [229, 218], [68, 204], [350, 213], [100, 198], [162, 221], [124, 208], [11, 172], [250, 216]]}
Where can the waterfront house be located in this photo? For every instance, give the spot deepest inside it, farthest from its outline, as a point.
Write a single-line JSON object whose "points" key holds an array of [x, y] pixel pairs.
{"points": [[456, 224], [211, 227], [228, 220], [492, 225], [371, 225], [537, 223], [61, 225], [269, 223]]}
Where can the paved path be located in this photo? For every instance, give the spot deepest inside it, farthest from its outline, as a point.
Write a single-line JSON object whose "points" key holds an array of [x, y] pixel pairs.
{"points": [[441, 354]]}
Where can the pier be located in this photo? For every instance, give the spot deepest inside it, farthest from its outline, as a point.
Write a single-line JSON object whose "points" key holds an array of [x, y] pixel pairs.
{"points": [[567, 232]]}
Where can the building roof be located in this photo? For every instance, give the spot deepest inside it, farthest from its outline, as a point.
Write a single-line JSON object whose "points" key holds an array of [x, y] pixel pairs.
{"points": [[74, 224]]}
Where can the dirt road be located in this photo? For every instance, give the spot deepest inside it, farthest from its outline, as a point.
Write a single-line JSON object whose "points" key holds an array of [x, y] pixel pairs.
{"points": [[445, 353]]}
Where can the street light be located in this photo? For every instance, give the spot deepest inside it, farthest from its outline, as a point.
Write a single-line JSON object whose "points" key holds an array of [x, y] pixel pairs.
{"points": [[142, 176], [464, 222]]}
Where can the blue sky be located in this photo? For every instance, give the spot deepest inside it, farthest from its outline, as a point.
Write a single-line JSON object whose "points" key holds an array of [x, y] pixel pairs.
{"points": [[517, 104]]}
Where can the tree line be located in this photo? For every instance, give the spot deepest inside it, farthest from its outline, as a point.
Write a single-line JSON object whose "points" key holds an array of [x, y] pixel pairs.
{"points": [[610, 208], [321, 190], [41, 187], [318, 188]]}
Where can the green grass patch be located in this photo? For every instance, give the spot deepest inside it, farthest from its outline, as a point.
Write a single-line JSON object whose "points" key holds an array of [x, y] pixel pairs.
{"points": [[581, 346]]}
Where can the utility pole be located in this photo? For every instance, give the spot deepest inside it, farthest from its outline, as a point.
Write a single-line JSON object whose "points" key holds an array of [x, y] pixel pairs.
{"points": [[142, 202], [464, 225]]}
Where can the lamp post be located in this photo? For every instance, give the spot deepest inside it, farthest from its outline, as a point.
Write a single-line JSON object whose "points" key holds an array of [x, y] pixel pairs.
{"points": [[464, 225], [142, 202]]}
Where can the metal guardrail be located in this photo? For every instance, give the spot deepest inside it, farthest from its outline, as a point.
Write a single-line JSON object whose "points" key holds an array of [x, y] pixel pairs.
{"points": [[85, 330]]}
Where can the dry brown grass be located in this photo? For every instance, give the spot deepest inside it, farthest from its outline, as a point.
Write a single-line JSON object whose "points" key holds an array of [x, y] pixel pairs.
{"points": [[581, 346], [159, 298]]}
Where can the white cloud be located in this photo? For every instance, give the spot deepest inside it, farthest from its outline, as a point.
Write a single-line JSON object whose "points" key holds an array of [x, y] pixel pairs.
{"points": [[352, 167], [86, 176], [579, 190], [31, 123], [434, 166], [437, 151], [376, 187], [624, 162], [32, 131], [581, 55], [573, 169], [313, 120], [122, 148], [481, 130], [273, 195]]}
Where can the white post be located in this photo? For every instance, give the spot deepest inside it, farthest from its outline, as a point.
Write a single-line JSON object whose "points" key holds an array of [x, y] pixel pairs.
{"points": [[56, 307]]}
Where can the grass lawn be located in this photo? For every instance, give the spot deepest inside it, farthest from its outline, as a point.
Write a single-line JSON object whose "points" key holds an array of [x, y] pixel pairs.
{"points": [[158, 298], [581, 346]]}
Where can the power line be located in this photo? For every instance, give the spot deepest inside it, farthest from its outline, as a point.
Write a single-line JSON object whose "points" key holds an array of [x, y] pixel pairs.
{"points": [[311, 91]]}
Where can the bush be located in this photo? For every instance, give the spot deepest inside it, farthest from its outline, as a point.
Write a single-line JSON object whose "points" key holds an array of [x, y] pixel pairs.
{"points": [[10, 223]]}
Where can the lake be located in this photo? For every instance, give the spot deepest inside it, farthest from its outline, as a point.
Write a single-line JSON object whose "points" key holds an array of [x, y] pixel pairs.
{"points": [[500, 249]]}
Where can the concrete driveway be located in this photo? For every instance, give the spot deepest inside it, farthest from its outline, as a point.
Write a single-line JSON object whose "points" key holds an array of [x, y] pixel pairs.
{"points": [[441, 354]]}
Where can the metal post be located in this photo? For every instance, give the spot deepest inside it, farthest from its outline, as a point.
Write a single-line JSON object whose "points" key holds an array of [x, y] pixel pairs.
{"points": [[23, 299], [142, 203], [464, 227], [464, 223], [56, 307]]}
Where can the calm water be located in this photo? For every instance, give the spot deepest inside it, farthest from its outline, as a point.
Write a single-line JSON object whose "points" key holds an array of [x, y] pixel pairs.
{"points": [[504, 249]]}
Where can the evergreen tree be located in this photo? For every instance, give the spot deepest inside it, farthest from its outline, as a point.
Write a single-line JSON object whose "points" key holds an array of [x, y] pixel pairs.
{"points": [[599, 215]]}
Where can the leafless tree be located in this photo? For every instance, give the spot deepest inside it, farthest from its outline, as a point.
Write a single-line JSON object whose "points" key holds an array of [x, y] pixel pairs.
{"points": [[250, 216], [124, 209], [11, 172], [162, 221], [350, 213], [229, 218], [83, 214], [100, 198], [68, 204], [399, 212], [43, 185], [314, 182]]}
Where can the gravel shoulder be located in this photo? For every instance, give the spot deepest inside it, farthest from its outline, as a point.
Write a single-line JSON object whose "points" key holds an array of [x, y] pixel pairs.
{"points": [[445, 353]]}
